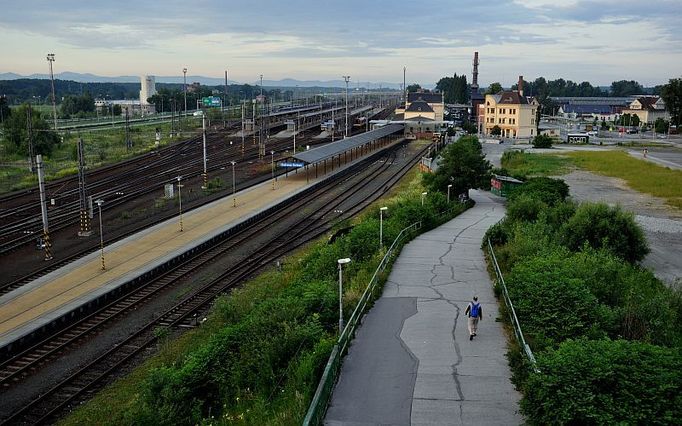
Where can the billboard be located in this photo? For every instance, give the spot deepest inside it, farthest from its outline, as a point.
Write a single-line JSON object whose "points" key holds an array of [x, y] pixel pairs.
{"points": [[211, 101]]}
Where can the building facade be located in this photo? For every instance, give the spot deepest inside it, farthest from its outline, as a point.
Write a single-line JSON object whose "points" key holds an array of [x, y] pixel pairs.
{"points": [[424, 112], [512, 112], [648, 109]]}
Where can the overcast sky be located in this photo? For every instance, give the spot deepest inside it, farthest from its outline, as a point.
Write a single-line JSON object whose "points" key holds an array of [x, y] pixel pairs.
{"points": [[371, 40]]}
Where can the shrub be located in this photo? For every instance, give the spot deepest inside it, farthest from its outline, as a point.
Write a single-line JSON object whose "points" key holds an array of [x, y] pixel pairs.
{"points": [[599, 225], [496, 130], [525, 208], [549, 191], [552, 306], [542, 141], [605, 382]]}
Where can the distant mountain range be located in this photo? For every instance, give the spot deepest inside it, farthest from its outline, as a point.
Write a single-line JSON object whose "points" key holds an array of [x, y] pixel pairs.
{"points": [[207, 81]]}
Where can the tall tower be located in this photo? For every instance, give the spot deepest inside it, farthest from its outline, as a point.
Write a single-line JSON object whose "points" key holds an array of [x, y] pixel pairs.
{"points": [[148, 88], [474, 80]]}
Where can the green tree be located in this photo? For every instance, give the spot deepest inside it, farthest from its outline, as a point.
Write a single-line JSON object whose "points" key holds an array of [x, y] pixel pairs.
{"points": [[462, 165], [5, 111], [117, 110], [602, 226], [413, 87], [455, 89], [16, 133], [494, 88], [72, 105], [661, 126], [496, 130], [672, 96], [626, 88]]}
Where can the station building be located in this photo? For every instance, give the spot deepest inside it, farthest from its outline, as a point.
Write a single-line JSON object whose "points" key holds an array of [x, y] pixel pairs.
{"points": [[423, 113]]}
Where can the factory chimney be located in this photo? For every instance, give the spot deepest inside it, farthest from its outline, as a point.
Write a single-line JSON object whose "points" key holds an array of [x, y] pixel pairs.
{"points": [[520, 85], [474, 81]]}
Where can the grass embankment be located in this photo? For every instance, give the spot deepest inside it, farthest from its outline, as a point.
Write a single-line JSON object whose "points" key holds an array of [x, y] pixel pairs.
{"points": [[102, 146], [640, 175], [259, 356]]}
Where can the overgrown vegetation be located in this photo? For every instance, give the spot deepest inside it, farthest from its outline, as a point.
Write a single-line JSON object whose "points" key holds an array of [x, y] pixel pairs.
{"points": [[462, 166], [521, 164], [102, 146], [606, 333], [542, 141], [258, 357]]}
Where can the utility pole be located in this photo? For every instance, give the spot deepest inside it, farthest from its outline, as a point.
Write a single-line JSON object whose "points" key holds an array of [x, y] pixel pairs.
{"points": [[129, 143], [184, 86], [243, 129], [404, 86], [346, 78], [225, 100], [29, 131], [85, 230], [50, 59], [205, 174], [43, 208]]}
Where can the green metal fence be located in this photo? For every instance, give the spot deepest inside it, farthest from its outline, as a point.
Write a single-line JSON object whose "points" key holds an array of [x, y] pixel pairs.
{"points": [[510, 308], [318, 405]]}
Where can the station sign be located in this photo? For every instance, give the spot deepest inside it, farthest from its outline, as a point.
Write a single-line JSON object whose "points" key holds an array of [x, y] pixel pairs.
{"points": [[211, 101], [290, 164]]}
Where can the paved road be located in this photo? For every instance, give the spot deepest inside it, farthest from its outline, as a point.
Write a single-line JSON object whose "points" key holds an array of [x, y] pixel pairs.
{"points": [[412, 361]]}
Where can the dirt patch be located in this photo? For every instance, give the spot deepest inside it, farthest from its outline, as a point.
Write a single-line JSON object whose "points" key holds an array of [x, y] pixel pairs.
{"points": [[662, 224]]}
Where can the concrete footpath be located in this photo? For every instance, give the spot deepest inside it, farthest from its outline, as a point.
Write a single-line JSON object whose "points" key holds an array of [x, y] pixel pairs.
{"points": [[412, 362]]}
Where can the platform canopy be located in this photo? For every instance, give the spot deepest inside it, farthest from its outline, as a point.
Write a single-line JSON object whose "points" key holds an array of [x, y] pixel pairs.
{"points": [[330, 150]]}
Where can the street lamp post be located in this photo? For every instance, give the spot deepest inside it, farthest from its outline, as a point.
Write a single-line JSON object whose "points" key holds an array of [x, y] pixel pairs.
{"points": [[234, 198], [449, 187], [184, 86], [180, 201], [101, 232], [341, 263], [381, 226], [346, 78], [423, 196], [272, 167]]}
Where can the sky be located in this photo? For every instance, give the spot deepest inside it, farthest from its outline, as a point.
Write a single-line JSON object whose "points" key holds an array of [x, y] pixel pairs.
{"points": [[371, 40]]}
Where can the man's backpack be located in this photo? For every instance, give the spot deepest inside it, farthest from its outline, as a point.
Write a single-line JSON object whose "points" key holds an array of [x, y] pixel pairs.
{"points": [[473, 312]]}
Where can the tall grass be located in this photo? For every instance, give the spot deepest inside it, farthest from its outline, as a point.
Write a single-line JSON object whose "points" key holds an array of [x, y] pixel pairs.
{"points": [[102, 146], [522, 163], [640, 175]]}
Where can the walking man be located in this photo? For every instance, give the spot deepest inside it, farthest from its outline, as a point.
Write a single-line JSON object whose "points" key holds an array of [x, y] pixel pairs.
{"points": [[475, 313]]}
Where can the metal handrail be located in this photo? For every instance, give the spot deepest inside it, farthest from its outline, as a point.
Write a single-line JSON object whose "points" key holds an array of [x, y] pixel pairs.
{"points": [[512, 312], [319, 402]]}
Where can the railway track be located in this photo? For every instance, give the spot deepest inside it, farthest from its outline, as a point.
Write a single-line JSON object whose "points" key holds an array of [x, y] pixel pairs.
{"points": [[233, 152], [20, 213], [304, 228]]}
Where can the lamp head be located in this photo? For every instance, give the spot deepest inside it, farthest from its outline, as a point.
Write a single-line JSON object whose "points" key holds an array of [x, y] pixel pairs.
{"points": [[383, 209], [99, 202], [344, 261]]}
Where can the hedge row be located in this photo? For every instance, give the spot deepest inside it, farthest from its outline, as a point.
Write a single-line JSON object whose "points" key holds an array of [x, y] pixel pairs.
{"points": [[606, 333]]}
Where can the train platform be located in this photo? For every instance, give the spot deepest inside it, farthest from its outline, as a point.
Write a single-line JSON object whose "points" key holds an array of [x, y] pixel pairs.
{"points": [[412, 362], [50, 297], [82, 284]]}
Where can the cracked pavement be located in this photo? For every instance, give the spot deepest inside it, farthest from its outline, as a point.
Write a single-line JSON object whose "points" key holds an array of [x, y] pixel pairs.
{"points": [[411, 362]]}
